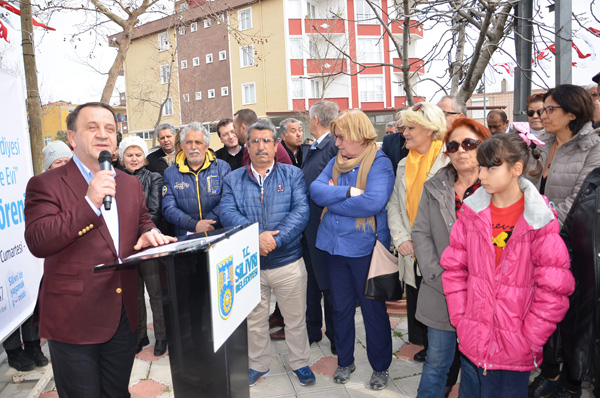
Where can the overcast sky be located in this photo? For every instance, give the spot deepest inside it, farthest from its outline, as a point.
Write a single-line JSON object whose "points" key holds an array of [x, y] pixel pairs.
{"points": [[64, 75]]}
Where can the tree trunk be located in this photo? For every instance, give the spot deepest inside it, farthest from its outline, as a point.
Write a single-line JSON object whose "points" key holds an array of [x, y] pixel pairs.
{"points": [[34, 106], [113, 73]]}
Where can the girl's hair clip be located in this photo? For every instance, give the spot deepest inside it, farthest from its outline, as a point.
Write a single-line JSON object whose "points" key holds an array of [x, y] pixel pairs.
{"points": [[526, 134]]}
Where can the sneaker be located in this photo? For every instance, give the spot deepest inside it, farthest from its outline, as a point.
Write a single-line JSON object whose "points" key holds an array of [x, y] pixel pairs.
{"points": [[305, 376], [379, 380], [37, 355], [562, 392], [342, 374], [541, 386], [19, 360], [255, 375], [278, 335]]}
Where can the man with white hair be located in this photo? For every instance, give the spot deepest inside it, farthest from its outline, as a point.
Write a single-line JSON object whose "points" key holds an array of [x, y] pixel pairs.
{"points": [[192, 186]]}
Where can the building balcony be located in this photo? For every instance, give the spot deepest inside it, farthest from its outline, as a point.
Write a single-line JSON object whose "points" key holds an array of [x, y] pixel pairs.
{"points": [[325, 66], [416, 65], [400, 101], [324, 26], [415, 29], [300, 105]]}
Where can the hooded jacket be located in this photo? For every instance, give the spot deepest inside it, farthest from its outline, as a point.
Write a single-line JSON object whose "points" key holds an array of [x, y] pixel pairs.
{"points": [[504, 314], [189, 196]]}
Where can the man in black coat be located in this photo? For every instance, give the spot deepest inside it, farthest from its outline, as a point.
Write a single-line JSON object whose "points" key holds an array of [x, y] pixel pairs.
{"points": [[315, 158], [165, 134], [393, 144]]}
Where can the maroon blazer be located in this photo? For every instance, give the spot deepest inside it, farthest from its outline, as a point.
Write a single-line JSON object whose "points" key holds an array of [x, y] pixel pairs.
{"points": [[77, 305]]}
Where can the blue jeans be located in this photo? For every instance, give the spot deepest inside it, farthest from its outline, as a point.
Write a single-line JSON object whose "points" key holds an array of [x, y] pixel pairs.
{"points": [[440, 354], [503, 383], [469, 380]]}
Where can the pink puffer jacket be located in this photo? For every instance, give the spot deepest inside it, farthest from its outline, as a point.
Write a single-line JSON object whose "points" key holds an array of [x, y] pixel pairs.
{"points": [[504, 315]]}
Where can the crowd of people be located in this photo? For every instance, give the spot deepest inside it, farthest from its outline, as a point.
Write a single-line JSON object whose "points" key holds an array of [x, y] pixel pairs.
{"points": [[494, 229]]}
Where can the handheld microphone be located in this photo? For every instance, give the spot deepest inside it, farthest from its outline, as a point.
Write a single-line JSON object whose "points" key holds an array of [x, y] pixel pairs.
{"points": [[105, 160]]}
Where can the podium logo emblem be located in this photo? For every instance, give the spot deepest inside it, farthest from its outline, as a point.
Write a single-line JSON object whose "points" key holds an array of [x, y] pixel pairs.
{"points": [[225, 280]]}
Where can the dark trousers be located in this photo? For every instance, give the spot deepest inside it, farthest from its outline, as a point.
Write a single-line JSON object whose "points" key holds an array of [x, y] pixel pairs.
{"points": [[346, 281], [148, 274], [503, 383], [314, 311], [417, 332], [95, 370], [28, 330]]}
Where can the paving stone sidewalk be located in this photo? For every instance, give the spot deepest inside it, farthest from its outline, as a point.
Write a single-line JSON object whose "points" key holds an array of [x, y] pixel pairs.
{"points": [[151, 377]]}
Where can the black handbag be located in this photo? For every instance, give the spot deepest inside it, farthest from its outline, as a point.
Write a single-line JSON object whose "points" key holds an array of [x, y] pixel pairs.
{"points": [[383, 283]]}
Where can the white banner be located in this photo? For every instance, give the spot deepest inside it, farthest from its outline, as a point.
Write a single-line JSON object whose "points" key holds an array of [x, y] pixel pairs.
{"points": [[234, 265], [20, 272]]}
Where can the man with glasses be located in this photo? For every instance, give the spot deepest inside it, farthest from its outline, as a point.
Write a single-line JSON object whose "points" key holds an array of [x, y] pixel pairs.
{"points": [[497, 122], [274, 195], [232, 150], [453, 108]]}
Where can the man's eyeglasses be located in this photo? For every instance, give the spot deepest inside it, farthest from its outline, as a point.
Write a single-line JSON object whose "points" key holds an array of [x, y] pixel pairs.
{"points": [[468, 144], [550, 109], [531, 113], [450, 113], [256, 141]]}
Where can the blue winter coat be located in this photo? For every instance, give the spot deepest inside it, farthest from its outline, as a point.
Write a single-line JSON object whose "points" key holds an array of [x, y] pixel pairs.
{"points": [[189, 197], [337, 232], [284, 207]]}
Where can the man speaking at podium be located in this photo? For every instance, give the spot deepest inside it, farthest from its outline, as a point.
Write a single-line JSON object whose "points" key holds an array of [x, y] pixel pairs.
{"points": [[89, 318]]}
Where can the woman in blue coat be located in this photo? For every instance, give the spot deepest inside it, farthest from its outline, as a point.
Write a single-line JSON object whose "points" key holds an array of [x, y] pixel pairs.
{"points": [[354, 189]]}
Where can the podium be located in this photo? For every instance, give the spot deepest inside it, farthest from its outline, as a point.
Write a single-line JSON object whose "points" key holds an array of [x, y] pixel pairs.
{"points": [[210, 284]]}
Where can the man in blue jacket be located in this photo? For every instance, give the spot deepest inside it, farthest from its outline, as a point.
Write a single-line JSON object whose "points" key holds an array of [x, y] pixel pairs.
{"points": [[192, 186], [274, 195]]}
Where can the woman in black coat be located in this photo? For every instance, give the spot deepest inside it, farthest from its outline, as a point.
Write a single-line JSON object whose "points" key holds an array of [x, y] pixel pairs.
{"points": [[132, 152], [579, 329]]}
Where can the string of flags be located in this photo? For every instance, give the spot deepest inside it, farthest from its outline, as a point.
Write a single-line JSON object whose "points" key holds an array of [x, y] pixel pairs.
{"points": [[4, 20]]}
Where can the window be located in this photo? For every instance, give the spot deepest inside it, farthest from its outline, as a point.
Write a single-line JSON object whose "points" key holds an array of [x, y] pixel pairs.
{"points": [[296, 48], [315, 89], [370, 89], [248, 94], [369, 50], [184, 64], [221, 19], [311, 10], [364, 12], [182, 6], [206, 23], [313, 50], [297, 88], [247, 56], [198, 95], [222, 55], [209, 58], [245, 18], [224, 91], [165, 74], [163, 41], [47, 140], [211, 93], [182, 30], [145, 135], [168, 107], [194, 26], [196, 61]]}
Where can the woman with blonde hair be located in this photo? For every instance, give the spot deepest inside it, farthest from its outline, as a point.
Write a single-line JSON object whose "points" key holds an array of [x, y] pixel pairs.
{"points": [[425, 127], [354, 189]]}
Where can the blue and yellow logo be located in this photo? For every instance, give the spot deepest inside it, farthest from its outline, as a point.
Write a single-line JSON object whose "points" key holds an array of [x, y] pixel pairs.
{"points": [[225, 286]]}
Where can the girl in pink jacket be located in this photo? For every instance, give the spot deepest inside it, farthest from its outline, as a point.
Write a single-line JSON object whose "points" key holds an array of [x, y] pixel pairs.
{"points": [[507, 277]]}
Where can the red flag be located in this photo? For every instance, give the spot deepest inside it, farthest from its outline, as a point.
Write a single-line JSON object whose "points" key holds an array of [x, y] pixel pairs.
{"points": [[581, 55], [15, 10], [3, 32]]}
